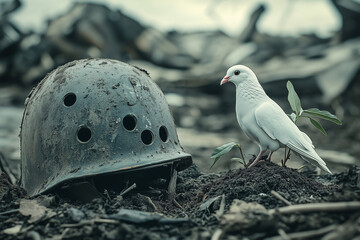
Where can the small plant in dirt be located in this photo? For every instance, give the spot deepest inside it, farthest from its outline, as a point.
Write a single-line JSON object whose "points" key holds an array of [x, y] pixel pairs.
{"points": [[312, 114], [222, 150]]}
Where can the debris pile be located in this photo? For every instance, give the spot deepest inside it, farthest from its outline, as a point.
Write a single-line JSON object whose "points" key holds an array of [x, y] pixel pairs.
{"points": [[182, 59], [264, 201], [188, 67], [215, 206]]}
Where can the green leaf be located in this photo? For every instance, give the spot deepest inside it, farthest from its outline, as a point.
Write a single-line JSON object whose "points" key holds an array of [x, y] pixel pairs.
{"points": [[218, 152], [216, 159], [222, 150], [239, 160], [323, 115], [293, 99], [318, 125]]}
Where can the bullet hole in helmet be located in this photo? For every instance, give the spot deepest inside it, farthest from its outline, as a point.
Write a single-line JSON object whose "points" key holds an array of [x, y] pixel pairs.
{"points": [[69, 99], [163, 133], [147, 137], [83, 134], [129, 122]]}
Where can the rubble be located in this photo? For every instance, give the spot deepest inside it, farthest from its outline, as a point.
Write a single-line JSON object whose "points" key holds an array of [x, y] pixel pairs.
{"points": [[199, 218], [180, 59], [188, 66]]}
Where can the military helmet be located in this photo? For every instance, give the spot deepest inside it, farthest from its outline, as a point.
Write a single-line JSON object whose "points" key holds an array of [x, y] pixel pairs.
{"points": [[92, 117]]}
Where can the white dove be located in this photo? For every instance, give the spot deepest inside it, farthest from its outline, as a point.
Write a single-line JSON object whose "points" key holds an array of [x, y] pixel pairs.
{"points": [[263, 120]]}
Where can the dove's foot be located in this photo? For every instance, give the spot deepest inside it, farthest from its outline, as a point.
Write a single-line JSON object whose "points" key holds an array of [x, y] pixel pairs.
{"points": [[257, 159], [269, 157]]}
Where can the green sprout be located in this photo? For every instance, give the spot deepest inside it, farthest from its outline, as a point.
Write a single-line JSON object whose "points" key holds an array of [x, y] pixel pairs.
{"points": [[222, 150], [295, 104], [310, 114]]}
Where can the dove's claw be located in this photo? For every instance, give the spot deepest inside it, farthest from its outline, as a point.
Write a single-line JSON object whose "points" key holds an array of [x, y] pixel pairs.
{"points": [[257, 159], [269, 157]]}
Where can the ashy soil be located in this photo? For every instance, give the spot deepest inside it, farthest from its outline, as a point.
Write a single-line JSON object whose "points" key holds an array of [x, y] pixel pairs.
{"points": [[235, 204]]}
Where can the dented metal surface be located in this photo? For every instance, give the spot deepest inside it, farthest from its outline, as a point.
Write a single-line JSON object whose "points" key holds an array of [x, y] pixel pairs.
{"points": [[91, 117]]}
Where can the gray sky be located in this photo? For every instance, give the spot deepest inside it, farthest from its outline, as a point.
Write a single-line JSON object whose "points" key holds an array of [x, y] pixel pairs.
{"points": [[284, 17]]}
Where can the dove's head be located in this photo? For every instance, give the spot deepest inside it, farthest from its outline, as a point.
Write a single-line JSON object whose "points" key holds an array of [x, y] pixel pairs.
{"points": [[237, 74]]}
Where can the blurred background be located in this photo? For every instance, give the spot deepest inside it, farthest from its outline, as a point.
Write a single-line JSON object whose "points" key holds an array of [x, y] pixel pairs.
{"points": [[187, 46]]}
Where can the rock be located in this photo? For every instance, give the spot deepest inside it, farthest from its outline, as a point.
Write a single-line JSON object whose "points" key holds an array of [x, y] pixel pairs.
{"points": [[75, 214], [35, 210], [243, 215], [140, 217], [12, 230]]}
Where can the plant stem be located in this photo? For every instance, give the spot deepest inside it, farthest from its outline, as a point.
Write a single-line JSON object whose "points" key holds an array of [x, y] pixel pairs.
{"points": [[286, 157], [297, 116], [283, 161], [242, 156]]}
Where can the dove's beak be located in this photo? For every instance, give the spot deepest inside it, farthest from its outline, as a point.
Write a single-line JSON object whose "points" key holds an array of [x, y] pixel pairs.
{"points": [[225, 80]]}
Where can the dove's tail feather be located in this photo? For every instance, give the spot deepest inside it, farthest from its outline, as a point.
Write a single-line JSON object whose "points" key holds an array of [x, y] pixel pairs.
{"points": [[323, 167], [310, 156]]}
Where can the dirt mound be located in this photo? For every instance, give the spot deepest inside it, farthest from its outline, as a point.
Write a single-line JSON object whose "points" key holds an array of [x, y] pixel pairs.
{"points": [[8, 191], [255, 185], [146, 212]]}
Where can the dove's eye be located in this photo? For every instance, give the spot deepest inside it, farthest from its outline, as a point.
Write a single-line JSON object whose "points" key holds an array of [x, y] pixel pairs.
{"points": [[237, 72]]}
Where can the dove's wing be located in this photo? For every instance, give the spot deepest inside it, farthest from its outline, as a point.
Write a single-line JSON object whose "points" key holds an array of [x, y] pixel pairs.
{"points": [[273, 120], [277, 125]]}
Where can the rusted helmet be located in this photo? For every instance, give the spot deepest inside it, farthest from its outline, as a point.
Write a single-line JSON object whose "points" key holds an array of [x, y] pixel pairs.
{"points": [[92, 117]]}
